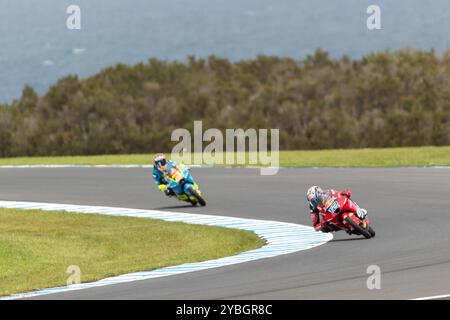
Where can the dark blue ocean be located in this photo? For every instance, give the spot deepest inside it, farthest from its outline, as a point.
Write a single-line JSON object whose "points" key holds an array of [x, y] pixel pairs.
{"points": [[37, 48]]}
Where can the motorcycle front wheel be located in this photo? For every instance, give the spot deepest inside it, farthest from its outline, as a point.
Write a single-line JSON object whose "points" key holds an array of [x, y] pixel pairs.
{"points": [[358, 229], [371, 231]]}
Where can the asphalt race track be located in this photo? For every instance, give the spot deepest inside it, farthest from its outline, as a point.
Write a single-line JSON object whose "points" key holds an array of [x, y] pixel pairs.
{"points": [[409, 209]]}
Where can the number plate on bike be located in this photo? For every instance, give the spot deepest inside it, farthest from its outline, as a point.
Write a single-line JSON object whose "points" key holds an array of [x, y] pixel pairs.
{"points": [[176, 176], [334, 207]]}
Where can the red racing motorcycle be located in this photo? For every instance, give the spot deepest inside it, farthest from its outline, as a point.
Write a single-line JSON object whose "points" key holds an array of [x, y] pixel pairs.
{"points": [[341, 213]]}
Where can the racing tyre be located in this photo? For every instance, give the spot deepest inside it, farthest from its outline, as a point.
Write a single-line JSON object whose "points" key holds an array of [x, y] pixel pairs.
{"points": [[371, 231], [199, 198], [357, 228]]}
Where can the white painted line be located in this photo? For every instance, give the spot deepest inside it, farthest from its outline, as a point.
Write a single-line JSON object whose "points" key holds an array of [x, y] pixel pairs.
{"points": [[433, 297], [282, 238]]}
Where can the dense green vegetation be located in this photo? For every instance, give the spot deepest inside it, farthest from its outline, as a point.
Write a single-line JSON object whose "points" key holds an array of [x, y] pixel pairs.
{"points": [[388, 99]]}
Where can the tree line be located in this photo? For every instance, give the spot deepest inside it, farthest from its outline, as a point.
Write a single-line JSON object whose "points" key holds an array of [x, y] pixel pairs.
{"points": [[385, 99]]}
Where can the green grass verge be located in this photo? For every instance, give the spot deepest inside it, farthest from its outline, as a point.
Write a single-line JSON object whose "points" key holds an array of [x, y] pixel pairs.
{"points": [[389, 157], [37, 247], [386, 157]]}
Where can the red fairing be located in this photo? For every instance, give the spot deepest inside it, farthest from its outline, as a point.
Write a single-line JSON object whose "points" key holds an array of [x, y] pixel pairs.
{"points": [[347, 205], [345, 193], [320, 220], [334, 193]]}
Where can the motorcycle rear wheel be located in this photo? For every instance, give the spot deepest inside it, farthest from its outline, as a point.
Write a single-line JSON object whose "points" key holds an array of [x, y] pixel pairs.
{"points": [[357, 228], [199, 198]]}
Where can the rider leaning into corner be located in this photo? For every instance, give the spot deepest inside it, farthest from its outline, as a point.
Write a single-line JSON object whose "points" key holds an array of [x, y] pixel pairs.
{"points": [[162, 167], [316, 199]]}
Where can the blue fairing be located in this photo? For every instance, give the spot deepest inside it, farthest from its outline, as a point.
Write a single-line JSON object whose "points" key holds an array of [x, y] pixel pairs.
{"points": [[158, 176], [183, 188]]}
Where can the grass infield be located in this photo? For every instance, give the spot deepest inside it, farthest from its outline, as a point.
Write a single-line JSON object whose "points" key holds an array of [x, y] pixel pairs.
{"points": [[37, 247]]}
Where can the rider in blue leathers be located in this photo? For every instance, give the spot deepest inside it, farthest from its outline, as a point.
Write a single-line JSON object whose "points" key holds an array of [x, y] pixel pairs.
{"points": [[161, 167], [174, 179]]}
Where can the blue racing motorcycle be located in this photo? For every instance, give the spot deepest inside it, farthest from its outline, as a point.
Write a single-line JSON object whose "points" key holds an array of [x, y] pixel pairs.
{"points": [[180, 181]]}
